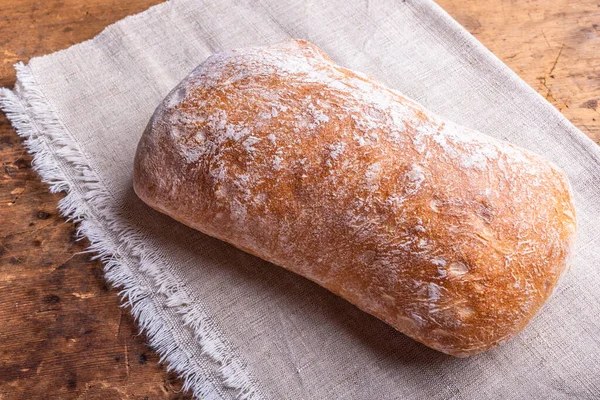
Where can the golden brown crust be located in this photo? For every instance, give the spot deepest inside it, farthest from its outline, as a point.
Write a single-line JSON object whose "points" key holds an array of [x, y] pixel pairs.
{"points": [[452, 237]]}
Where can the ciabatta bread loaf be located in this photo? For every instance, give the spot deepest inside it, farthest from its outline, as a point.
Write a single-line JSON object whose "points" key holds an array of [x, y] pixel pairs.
{"points": [[452, 237]]}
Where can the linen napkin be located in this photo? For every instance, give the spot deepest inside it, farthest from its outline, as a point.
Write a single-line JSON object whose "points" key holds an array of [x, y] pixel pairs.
{"points": [[237, 327]]}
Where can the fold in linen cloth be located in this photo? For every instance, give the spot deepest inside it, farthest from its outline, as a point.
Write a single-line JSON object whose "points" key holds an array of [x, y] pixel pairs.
{"points": [[235, 326]]}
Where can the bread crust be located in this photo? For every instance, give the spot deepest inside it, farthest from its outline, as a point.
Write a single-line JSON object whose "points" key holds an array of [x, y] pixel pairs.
{"points": [[450, 236]]}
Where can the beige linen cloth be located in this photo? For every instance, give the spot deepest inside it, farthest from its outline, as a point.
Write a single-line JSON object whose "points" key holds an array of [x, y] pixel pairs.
{"points": [[235, 326]]}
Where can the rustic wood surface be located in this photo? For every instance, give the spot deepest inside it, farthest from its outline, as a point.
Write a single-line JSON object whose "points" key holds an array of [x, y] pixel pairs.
{"points": [[62, 333], [554, 45]]}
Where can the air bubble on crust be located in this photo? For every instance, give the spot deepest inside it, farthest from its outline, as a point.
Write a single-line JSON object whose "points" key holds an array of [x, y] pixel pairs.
{"points": [[388, 299], [368, 256], [464, 312], [176, 97], [407, 323], [457, 269], [478, 287]]}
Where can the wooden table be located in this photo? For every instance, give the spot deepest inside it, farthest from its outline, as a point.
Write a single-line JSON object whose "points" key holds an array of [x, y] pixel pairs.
{"points": [[62, 333]]}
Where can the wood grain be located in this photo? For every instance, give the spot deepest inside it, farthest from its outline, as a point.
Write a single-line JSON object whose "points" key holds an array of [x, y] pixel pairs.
{"points": [[554, 45], [63, 334]]}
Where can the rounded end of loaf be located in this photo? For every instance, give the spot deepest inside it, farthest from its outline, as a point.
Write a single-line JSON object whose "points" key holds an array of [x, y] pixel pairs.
{"points": [[485, 292], [146, 182], [157, 168]]}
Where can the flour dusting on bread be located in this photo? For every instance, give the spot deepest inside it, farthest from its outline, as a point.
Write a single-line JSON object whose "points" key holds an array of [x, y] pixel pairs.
{"points": [[449, 235]]}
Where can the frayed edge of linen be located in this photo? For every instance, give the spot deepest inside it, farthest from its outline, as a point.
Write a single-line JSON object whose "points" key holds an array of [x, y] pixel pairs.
{"points": [[61, 164]]}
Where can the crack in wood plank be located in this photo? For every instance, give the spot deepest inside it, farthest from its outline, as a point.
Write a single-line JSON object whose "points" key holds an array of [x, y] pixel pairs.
{"points": [[120, 322], [126, 358], [556, 61], [546, 39]]}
